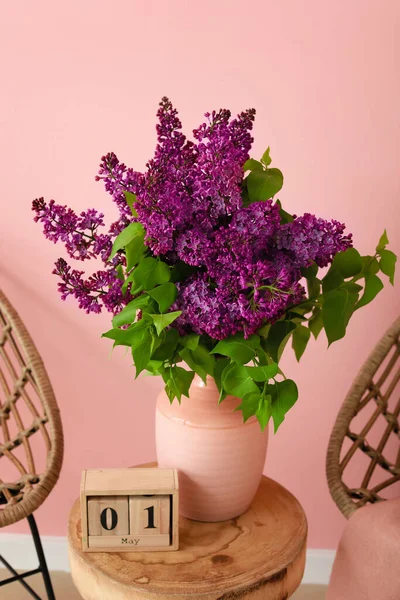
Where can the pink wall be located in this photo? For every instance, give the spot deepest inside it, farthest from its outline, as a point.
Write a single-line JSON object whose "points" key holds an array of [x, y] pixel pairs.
{"points": [[81, 78]]}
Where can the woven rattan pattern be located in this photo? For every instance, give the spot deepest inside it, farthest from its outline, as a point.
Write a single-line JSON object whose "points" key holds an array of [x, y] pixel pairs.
{"points": [[375, 393], [25, 389]]}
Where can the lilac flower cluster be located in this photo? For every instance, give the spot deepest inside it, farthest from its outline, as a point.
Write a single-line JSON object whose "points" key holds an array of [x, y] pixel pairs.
{"points": [[310, 238], [79, 233], [82, 241], [185, 183], [101, 288], [246, 262]]}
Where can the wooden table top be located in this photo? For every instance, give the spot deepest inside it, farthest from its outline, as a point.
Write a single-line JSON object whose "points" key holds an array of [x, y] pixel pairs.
{"points": [[260, 554]]}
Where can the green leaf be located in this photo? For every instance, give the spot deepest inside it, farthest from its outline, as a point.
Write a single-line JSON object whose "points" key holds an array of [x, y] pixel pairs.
{"points": [[266, 159], [140, 333], [128, 280], [128, 314], [264, 410], [285, 216], [199, 360], [178, 383], [262, 374], [135, 251], [300, 338], [181, 271], [220, 365], [388, 264], [249, 405], [120, 272], [262, 185], [223, 393], [187, 357], [125, 337], [162, 321], [263, 358], [336, 312], [313, 287], [316, 324], [155, 367], [236, 347], [168, 344], [351, 287], [126, 236], [190, 341], [238, 382], [264, 330], [348, 263], [285, 397], [130, 200], [141, 350], [278, 334], [373, 285], [297, 312], [204, 359], [141, 356], [165, 295], [370, 265], [383, 242], [149, 273], [252, 165], [310, 272], [121, 337], [332, 280]]}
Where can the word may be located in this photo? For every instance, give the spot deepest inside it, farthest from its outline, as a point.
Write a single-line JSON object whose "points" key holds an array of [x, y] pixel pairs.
{"points": [[129, 541]]}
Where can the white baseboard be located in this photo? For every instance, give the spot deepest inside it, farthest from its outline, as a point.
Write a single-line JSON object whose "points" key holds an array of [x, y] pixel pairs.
{"points": [[18, 549], [319, 564]]}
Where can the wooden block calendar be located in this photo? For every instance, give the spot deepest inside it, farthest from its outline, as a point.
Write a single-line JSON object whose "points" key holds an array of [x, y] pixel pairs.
{"points": [[128, 510]]}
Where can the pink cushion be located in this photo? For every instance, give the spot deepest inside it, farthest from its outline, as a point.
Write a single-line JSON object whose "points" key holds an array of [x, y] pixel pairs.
{"points": [[367, 564]]}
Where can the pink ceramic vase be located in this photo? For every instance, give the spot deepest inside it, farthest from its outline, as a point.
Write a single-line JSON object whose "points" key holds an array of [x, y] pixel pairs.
{"points": [[220, 459]]}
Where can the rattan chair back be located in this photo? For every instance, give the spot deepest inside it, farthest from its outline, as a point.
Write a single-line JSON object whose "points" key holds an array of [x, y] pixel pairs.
{"points": [[28, 411], [366, 431]]}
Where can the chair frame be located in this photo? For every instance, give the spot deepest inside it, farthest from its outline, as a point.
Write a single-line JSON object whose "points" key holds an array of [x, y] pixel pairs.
{"points": [[23, 497], [362, 391], [42, 568]]}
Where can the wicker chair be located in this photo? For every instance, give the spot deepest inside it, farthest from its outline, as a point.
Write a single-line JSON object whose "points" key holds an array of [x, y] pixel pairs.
{"points": [[31, 438], [368, 426]]}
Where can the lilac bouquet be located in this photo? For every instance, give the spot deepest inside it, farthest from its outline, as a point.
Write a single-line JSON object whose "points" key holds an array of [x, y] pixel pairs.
{"points": [[203, 265]]}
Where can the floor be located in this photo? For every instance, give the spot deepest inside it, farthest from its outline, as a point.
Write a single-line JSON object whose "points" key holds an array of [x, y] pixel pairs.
{"points": [[65, 590]]}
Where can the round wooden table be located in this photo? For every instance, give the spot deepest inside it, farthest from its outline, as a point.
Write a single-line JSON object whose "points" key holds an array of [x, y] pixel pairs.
{"points": [[260, 554]]}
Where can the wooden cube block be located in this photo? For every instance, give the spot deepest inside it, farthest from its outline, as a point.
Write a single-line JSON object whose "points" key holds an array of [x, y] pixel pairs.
{"points": [[108, 515], [149, 515], [130, 510]]}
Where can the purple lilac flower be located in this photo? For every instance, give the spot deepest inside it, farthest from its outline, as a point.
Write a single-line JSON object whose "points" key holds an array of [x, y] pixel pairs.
{"points": [[218, 173], [259, 296], [79, 233], [194, 247], [206, 309], [185, 184], [245, 240], [82, 241], [101, 288], [117, 179], [247, 264], [310, 238]]}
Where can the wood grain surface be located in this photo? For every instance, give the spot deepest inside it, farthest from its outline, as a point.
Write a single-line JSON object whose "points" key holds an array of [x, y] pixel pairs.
{"points": [[260, 554]]}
